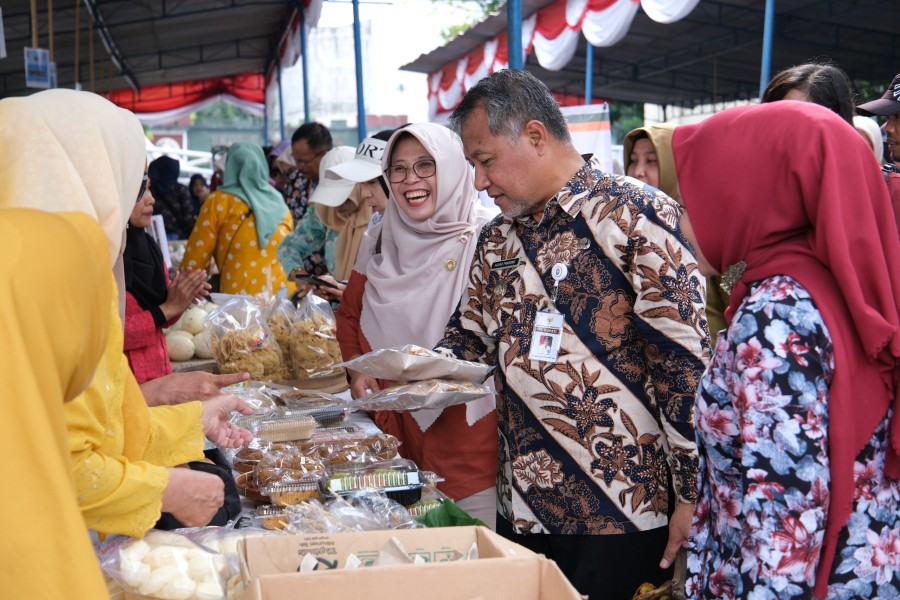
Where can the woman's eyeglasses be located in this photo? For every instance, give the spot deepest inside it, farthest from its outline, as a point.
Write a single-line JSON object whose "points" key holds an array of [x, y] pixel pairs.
{"points": [[143, 189], [399, 173]]}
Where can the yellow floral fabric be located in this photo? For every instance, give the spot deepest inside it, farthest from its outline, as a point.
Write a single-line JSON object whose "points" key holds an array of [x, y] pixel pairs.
{"points": [[120, 446], [226, 232]]}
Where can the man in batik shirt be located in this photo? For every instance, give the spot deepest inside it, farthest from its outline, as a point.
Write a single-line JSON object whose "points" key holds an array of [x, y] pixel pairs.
{"points": [[594, 424], [309, 143]]}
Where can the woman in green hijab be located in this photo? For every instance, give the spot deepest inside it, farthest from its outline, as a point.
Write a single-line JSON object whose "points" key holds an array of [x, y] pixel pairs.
{"points": [[241, 225]]}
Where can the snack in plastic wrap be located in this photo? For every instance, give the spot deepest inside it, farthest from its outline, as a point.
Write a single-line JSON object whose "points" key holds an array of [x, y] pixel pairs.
{"points": [[241, 341], [431, 393], [284, 429], [308, 487], [414, 363], [270, 517], [361, 511], [398, 478], [280, 313], [168, 566], [314, 346]]}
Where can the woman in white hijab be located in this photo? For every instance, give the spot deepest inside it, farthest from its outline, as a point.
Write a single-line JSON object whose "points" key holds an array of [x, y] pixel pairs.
{"points": [[75, 151], [405, 286]]}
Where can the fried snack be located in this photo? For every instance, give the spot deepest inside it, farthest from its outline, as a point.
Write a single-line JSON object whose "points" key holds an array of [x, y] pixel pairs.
{"points": [[239, 350], [314, 347], [271, 517], [281, 325]]}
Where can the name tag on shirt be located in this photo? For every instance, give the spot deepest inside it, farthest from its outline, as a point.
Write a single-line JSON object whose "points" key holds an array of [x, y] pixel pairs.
{"points": [[546, 337], [506, 264]]}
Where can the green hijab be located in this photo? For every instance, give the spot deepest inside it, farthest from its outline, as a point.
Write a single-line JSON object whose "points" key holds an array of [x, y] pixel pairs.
{"points": [[247, 177]]}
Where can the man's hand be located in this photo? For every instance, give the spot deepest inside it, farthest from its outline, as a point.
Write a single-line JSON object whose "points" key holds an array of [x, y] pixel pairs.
{"points": [[193, 497], [216, 426], [178, 388], [361, 384], [679, 530]]}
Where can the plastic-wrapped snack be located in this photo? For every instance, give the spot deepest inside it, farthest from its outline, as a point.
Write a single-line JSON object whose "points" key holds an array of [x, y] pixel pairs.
{"points": [[389, 513], [277, 428], [286, 467], [249, 455], [399, 479], [168, 566], [270, 517], [280, 315], [431, 393], [254, 393], [241, 341], [314, 345], [287, 493], [307, 399], [414, 363]]}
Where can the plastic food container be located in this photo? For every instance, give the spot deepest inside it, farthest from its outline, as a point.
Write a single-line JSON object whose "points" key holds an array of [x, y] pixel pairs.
{"points": [[270, 517], [284, 429], [399, 479], [288, 493]]}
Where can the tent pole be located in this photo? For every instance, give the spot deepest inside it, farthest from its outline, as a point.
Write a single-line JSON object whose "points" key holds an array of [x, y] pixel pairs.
{"points": [[305, 63], [589, 73], [280, 98], [765, 72], [514, 34], [360, 97]]}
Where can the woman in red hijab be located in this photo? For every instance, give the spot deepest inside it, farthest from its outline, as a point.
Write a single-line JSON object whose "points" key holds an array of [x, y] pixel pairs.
{"points": [[796, 419]]}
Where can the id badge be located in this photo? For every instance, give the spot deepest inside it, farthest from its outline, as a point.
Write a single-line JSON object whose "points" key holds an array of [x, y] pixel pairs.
{"points": [[546, 337]]}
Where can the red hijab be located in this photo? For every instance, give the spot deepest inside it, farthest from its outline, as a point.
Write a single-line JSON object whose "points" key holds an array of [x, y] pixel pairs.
{"points": [[791, 189]]}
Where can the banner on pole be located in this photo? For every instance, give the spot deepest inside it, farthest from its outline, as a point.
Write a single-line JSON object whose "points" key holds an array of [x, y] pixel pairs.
{"points": [[589, 127]]}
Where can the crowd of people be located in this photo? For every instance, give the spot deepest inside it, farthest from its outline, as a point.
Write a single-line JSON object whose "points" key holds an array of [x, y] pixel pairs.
{"points": [[697, 356]]}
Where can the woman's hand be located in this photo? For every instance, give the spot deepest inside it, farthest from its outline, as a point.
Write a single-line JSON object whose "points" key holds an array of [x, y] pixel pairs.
{"points": [[361, 384], [193, 497], [330, 293], [183, 289], [216, 426], [177, 388]]}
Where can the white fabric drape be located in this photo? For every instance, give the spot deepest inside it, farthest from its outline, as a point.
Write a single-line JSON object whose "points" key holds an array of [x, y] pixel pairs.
{"points": [[553, 47]]}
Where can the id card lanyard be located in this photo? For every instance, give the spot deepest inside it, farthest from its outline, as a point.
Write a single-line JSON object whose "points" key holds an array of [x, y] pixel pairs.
{"points": [[548, 324]]}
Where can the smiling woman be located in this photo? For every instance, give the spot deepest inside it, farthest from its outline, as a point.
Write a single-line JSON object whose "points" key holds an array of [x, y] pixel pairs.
{"points": [[406, 291]]}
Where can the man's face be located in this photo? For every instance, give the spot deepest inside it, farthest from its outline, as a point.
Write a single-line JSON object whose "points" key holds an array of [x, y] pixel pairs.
{"points": [[307, 160], [505, 168], [892, 129]]}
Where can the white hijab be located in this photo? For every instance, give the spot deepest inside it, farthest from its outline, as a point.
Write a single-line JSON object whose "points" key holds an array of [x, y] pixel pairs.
{"points": [[73, 151], [417, 280]]}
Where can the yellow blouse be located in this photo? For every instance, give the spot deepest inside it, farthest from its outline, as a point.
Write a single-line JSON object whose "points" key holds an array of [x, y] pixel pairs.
{"points": [[120, 447], [226, 231]]}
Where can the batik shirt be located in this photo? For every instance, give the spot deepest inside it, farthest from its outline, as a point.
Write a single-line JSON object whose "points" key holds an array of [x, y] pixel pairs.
{"points": [[586, 443], [762, 420]]}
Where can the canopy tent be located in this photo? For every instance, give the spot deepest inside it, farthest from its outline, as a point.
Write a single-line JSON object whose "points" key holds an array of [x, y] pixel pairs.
{"points": [[159, 56], [676, 52]]}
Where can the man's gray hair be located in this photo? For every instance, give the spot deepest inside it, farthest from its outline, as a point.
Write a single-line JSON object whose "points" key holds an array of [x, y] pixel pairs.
{"points": [[511, 98]]}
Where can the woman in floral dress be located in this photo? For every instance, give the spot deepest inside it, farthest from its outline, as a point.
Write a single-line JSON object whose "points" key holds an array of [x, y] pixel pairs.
{"points": [[795, 415]]}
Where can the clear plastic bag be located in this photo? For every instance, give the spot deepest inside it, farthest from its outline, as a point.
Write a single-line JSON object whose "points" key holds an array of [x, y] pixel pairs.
{"points": [[241, 341], [168, 566], [314, 346], [280, 314], [431, 393], [414, 363]]}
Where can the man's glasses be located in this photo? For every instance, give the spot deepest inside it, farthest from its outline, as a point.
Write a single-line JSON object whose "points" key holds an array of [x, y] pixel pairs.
{"points": [[303, 163], [143, 189], [399, 173]]}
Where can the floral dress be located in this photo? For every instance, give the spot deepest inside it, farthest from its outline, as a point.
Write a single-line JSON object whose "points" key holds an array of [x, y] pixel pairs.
{"points": [[762, 429]]}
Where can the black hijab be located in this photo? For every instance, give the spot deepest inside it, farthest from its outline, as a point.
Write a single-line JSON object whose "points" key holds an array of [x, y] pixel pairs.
{"points": [[163, 173], [145, 275]]}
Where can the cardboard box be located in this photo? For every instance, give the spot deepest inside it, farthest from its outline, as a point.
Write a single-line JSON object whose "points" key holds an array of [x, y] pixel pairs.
{"points": [[503, 571]]}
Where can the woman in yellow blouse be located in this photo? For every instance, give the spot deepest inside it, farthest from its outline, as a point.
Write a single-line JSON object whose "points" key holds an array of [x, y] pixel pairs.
{"points": [[241, 225], [49, 262], [122, 452]]}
